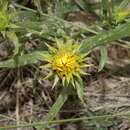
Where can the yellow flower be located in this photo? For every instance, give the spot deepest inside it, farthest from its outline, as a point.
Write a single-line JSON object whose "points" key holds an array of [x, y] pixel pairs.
{"points": [[65, 62]]}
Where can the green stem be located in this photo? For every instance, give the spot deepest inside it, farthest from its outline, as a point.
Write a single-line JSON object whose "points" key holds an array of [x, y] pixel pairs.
{"points": [[57, 106], [63, 121], [10, 118], [55, 17], [92, 27]]}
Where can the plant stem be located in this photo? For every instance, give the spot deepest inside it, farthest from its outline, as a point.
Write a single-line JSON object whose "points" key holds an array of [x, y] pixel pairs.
{"points": [[57, 106], [64, 121]]}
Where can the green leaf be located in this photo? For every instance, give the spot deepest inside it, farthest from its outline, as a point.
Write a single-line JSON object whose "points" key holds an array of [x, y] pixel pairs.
{"points": [[4, 6], [88, 7], [81, 4], [105, 37], [13, 37], [30, 25], [103, 59], [108, 9], [27, 15], [59, 10], [113, 2], [79, 88], [105, 7], [57, 105], [69, 7], [38, 5], [123, 4], [25, 59]]}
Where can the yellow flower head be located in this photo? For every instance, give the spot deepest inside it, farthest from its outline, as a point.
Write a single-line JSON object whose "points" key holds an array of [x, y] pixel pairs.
{"points": [[65, 62]]}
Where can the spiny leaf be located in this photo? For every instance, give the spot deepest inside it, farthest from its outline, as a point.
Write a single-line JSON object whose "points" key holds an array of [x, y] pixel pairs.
{"points": [[106, 37]]}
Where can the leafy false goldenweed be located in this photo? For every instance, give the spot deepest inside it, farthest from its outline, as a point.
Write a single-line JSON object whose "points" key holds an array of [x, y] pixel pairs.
{"points": [[66, 63]]}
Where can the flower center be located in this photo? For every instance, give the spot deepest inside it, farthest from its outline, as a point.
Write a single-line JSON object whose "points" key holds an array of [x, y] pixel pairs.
{"points": [[65, 63]]}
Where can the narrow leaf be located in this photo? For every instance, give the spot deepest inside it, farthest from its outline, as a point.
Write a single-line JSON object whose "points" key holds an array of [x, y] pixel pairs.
{"points": [[18, 61], [123, 4], [4, 6], [79, 88], [106, 37], [13, 37], [105, 7], [103, 57], [38, 5], [57, 106]]}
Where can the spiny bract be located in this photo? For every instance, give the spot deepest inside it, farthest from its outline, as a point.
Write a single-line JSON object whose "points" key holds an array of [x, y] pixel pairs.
{"points": [[65, 62]]}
